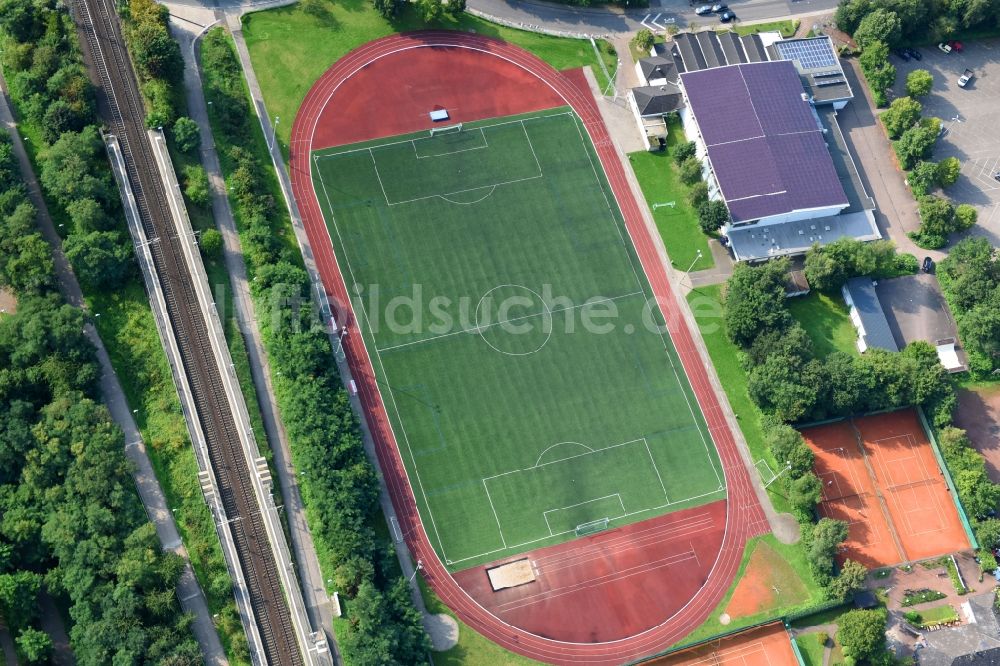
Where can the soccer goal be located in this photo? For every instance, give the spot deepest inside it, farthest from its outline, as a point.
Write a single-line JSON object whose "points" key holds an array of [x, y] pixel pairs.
{"points": [[447, 129], [594, 526]]}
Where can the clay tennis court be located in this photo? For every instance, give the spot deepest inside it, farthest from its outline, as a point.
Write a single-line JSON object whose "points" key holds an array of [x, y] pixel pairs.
{"points": [[763, 646], [428, 57], [880, 476]]}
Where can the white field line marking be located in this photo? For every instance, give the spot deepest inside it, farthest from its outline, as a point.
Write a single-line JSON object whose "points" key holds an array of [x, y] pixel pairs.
{"points": [[416, 151], [499, 528], [364, 313], [445, 195], [391, 393], [545, 514], [656, 469], [577, 455], [549, 448], [479, 329], [337, 153], [639, 282]]}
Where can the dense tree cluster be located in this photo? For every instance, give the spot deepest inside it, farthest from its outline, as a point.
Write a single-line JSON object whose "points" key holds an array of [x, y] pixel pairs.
{"points": [[25, 259], [339, 484], [970, 278], [157, 58], [939, 218], [904, 22], [42, 62], [862, 633], [828, 267], [788, 381], [71, 520], [878, 71]]}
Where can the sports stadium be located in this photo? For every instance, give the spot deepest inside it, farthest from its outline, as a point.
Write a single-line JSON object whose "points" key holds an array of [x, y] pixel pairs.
{"points": [[552, 445]]}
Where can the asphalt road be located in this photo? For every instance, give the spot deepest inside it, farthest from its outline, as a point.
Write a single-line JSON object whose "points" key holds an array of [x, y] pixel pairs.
{"points": [[610, 19]]}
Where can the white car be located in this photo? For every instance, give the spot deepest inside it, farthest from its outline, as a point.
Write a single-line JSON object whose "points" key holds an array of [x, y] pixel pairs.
{"points": [[944, 47], [965, 78]]}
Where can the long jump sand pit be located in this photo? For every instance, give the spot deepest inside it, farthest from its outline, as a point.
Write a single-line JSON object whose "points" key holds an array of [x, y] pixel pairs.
{"points": [[880, 476], [763, 646]]}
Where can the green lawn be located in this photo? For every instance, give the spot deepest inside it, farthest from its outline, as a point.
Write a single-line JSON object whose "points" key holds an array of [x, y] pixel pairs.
{"points": [[811, 649], [827, 321], [519, 415], [292, 46], [786, 28], [936, 615], [706, 303], [678, 226]]}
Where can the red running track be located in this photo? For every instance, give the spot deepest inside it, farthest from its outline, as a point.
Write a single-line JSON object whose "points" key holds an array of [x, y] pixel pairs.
{"points": [[745, 517]]}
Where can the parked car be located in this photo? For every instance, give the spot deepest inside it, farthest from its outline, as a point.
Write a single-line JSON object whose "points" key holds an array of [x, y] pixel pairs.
{"points": [[719, 8], [996, 176], [726, 17], [966, 77], [902, 54], [956, 46], [703, 10], [928, 265], [915, 54], [944, 47]]}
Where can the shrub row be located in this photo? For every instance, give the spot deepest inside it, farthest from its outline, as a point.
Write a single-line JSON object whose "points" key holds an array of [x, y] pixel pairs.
{"points": [[970, 279], [339, 484]]}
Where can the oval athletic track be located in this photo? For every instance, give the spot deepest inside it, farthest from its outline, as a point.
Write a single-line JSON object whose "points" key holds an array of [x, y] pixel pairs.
{"points": [[745, 517]]}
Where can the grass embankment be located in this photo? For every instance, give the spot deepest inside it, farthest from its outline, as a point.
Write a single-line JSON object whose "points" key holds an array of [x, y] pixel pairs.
{"points": [[794, 557], [826, 320], [706, 303], [786, 28], [678, 225], [932, 617], [292, 46], [811, 648]]}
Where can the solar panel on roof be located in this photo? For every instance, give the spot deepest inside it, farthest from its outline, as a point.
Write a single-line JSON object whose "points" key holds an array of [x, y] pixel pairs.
{"points": [[829, 82], [811, 54]]}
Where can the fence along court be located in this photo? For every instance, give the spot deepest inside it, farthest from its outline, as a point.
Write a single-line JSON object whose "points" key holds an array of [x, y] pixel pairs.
{"points": [[880, 475]]}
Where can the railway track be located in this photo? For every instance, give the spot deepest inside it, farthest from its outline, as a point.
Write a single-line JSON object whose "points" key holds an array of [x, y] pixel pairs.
{"points": [[122, 110]]}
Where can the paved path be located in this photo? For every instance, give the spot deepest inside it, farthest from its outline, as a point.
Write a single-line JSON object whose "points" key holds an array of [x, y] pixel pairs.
{"points": [[608, 20], [188, 591], [319, 607], [402, 552], [896, 209], [828, 629]]}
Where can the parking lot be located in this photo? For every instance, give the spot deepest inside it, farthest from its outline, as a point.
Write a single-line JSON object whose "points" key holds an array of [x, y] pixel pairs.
{"points": [[971, 118]]}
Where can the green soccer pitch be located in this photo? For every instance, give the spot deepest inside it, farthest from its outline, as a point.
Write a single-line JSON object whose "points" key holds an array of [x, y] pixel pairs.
{"points": [[519, 353]]}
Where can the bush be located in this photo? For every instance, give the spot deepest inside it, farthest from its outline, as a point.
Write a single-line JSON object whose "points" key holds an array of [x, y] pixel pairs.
{"points": [[903, 113], [965, 217], [196, 184], [948, 171], [922, 178], [712, 216], [683, 151], [690, 170], [987, 561], [698, 194], [915, 144], [186, 134], [644, 40], [211, 243], [919, 83]]}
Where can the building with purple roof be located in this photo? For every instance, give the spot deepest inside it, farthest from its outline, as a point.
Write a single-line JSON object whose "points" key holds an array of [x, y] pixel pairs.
{"points": [[767, 154]]}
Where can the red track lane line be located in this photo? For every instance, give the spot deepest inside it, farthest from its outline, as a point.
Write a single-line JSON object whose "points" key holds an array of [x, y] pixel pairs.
{"points": [[745, 517]]}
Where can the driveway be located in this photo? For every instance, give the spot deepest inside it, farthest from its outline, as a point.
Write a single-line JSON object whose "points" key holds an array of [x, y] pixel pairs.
{"points": [[896, 209], [971, 117]]}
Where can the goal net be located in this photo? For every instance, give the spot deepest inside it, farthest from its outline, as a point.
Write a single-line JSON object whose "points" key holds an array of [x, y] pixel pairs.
{"points": [[592, 527], [447, 129]]}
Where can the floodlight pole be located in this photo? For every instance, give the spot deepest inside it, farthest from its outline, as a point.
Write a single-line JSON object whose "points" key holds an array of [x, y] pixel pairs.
{"points": [[419, 567], [694, 261], [274, 133]]}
